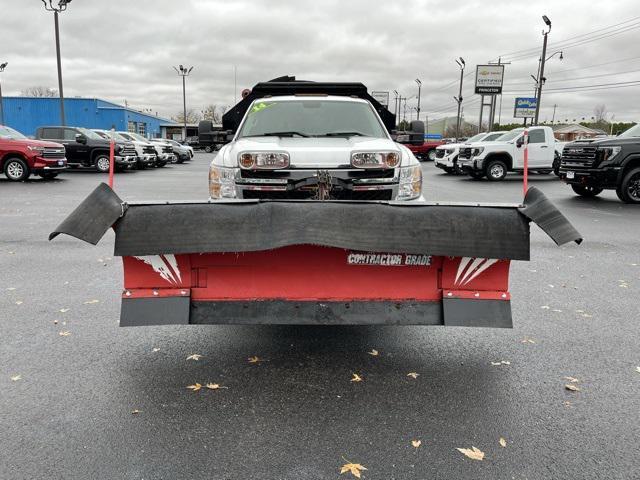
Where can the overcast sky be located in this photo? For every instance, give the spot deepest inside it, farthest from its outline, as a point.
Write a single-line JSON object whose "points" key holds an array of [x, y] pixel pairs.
{"points": [[125, 49]]}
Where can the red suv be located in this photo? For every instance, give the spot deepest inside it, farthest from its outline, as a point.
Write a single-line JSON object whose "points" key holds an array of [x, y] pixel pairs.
{"points": [[21, 156]]}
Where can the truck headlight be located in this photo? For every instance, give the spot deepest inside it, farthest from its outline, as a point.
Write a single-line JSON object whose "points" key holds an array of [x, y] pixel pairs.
{"points": [[263, 160], [222, 182], [35, 148], [449, 152], [609, 152], [410, 183], [375, 159], [477, 151]]}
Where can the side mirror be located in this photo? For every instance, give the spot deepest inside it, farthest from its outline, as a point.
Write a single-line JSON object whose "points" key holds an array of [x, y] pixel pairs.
{"points": [[520, 142], [80, 138]]}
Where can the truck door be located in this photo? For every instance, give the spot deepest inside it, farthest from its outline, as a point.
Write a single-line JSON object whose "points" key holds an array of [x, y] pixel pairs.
{"points": [[73, 147], [541, 148]]}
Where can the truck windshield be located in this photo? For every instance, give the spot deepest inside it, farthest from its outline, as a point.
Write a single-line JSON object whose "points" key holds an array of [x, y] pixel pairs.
{"points": [[511, 135], [8, 133], [90, 133], [311, 118], [632, 132]]}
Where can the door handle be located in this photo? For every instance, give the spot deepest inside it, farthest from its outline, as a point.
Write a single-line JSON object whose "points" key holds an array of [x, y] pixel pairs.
{"points": [[544, 146]]}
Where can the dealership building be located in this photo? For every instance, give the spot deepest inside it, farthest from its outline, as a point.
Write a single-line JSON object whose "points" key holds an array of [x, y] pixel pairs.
{"points": [[26, 114]]}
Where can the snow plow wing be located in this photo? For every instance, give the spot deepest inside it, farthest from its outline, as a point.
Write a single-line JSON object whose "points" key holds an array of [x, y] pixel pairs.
{"points": [[309, 262]]}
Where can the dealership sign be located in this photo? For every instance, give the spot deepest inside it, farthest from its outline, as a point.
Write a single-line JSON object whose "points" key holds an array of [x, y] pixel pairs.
{"points": [[381, 97], [489, 79], [525, 107]]}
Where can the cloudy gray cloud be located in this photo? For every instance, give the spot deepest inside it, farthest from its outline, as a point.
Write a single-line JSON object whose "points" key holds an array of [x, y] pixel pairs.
{"points": [[124, 49]]}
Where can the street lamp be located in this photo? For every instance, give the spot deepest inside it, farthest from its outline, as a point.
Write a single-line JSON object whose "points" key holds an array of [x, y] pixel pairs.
{"points": [[2, 67], [543, 58], [184, 72], [461, 64], [419, 88], [61, 7]]}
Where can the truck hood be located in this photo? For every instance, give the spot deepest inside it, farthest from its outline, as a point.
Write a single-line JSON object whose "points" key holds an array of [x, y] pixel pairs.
{"points": [[311, 152], [489, 145], [606, 142], [36, 143]]}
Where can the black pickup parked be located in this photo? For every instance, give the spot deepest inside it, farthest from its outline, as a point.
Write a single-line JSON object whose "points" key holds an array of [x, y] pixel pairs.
{"points": [[86, 148], [591, 166]]}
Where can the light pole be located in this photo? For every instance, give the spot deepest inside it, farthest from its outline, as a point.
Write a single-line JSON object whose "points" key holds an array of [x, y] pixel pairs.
{"points": [[396, 112], [542, 61], [62, 6], [2, 67], [184, 73], [461, 64], [418, 107]]}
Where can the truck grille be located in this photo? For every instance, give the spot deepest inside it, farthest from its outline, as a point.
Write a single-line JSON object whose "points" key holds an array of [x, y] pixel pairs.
{"points": [[309, 194], [440, 153], [465, 152], [578, 156], [53, 153], [167, 149], [149, 149], [128, 151]]}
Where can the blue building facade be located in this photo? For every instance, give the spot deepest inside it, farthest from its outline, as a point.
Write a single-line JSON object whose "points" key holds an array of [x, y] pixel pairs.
{"points": [[26, 114]]}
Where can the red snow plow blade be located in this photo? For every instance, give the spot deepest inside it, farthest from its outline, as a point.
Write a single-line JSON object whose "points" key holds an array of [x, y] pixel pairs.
{"points": [[308, 262]]}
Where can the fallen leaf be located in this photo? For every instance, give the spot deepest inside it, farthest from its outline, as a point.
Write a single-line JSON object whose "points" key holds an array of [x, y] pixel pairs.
{"points": [[572, 379], [356, 378], [19, 302], [413, 375], [566, 404], [373, 352], [502, 442], [64, 333], [55, 322], [353, 468], [195, 387], [91, 302], [63, 310], [194, 356], [527, 340], [255, 359], [214, 386], [15, 378], [156, 349], [416, 443], [135, 412], [571, 387], [473, 453]]}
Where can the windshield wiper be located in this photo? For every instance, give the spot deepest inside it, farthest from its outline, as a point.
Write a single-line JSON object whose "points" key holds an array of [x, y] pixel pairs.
{"points": [[279, 134], [344, 134]]}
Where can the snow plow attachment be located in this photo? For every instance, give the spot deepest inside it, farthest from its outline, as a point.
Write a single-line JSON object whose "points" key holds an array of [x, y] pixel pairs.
{"points": [[310, 262]]}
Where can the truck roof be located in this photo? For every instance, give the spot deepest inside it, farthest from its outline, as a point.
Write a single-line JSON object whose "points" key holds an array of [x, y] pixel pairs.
{"points": [[310, 97]]}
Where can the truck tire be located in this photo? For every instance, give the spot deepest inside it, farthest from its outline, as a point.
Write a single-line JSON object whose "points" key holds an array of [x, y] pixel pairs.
{"points": [[556, 164], [101, 162], [629, 190], [160, 163], [586, 191], [16, 170], [496, 170], [431, 155], [208, 149]]}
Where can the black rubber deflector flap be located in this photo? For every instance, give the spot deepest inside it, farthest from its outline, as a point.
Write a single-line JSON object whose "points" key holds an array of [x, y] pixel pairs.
{"points": [[539, 209], [93, 217]]}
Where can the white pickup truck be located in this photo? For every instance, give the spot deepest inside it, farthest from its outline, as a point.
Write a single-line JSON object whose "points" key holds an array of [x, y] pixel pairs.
{"points": [[447, 155], [322, 147], [495, 159]]}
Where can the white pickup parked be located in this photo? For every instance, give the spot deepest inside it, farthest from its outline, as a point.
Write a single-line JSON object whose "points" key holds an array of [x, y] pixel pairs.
{"points": [[495, 159], [447, 155]]}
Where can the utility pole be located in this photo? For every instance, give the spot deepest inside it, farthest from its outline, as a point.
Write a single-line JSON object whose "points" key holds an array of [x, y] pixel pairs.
{"points": [[395, 110], [184, 73], [62, 6], [404, 112], [542, 61], [419, 88], [553, 119], [2, 67], [461, 64], [492, 110]]}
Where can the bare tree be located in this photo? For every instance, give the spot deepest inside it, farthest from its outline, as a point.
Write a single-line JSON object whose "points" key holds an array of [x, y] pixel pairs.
{"points": [[39, 91], [214, 113], [192, 116], [600, 113]]}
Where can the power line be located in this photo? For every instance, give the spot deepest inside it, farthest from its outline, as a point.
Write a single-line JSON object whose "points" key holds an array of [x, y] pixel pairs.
{"points": [[597, 65], [553, 45], [577, 88], [581, 78]]}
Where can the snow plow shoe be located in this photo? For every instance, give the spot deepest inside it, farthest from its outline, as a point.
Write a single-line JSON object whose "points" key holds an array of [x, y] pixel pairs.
{"points": [[310, 262]]}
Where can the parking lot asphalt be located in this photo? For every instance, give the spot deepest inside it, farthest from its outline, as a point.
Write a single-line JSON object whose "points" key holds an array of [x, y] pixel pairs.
{"points": [[81, 398]]}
